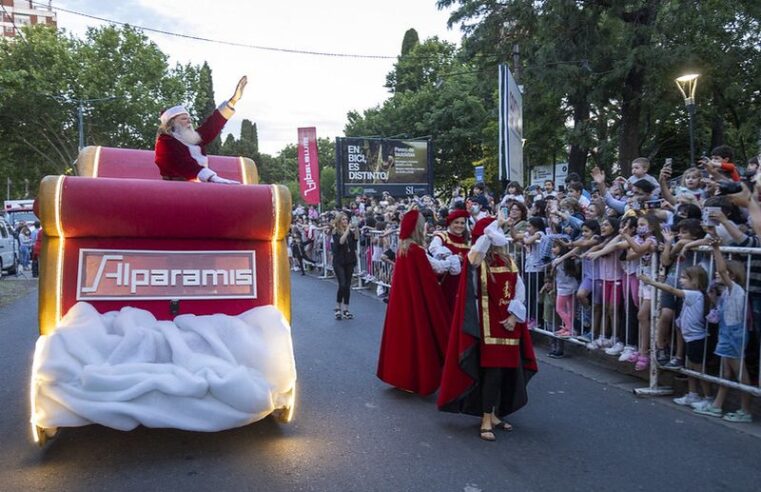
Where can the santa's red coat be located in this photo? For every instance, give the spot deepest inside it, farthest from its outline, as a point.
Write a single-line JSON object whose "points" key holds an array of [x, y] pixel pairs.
{"points": [[173, 157], [416, 327]]}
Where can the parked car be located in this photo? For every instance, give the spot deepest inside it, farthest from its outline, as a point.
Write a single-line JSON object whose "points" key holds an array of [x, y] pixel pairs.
{"points": [[9, 250]]}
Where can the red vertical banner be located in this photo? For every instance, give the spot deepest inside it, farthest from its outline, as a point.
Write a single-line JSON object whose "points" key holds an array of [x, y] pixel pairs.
{"points": [[309, 166]]}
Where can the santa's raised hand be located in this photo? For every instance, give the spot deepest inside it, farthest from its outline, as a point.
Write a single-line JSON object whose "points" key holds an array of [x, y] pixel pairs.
{"points": [[239, 90]]}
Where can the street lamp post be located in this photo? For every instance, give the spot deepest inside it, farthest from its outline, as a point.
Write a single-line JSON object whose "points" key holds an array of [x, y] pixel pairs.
{"points": [[687, 85]]}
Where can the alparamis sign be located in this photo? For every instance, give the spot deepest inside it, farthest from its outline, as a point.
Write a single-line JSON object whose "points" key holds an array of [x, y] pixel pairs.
{"points": [[109, 274]]}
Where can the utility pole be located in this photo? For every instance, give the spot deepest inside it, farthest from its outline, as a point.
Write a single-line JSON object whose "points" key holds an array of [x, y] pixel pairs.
{"points": [[80, 114]]}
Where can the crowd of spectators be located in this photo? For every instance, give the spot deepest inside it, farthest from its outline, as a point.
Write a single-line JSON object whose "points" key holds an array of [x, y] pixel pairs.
{"points": [[599, 258]]}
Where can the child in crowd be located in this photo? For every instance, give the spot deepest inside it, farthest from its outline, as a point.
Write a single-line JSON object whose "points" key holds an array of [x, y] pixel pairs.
{"points": [[590, 283], [611, 275], [615, 251], [566, 285], [640, 167], [576, 191], [514, 193], [692, 325], [641, 249], [733, 337], [673, 259], [534, 268]]}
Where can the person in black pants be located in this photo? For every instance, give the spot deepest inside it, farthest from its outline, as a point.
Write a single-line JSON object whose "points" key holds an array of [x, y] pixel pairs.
{"points": [[344, 248]]}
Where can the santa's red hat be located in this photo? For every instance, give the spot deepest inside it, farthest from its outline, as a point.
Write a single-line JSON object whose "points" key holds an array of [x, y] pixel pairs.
{"points": [[170, 113], [457, 214], [480, 227], [409, 222]]}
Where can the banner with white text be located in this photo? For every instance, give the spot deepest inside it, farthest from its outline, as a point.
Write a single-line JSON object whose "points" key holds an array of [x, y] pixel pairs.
{"points": [[309, 166]]}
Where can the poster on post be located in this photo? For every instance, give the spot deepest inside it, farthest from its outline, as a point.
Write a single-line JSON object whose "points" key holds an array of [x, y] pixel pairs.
{"points": [[309, 166], [510, 127], [371, 166]]}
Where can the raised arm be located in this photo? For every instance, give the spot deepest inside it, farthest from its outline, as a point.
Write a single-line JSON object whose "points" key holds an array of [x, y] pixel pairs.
{"points": [[665, 189], [721, 264], [660, 285]]}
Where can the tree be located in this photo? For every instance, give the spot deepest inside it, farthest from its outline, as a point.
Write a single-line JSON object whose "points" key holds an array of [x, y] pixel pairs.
{"points": [[607, 69], [433, 95], [411, 41], [43, 79], [204, 103]]}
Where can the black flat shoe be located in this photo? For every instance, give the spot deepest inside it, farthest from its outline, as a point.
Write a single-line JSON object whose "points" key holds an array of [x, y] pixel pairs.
{"points": [[338, 314], [488, 435], [348, 315], [503, 426]]}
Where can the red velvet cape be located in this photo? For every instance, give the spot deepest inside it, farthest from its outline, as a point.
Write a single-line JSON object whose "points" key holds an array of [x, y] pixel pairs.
{"points": [[460, 390], [416, 326]]}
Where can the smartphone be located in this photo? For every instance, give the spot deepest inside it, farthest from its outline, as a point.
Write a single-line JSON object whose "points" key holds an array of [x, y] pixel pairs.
{"points": [[651, 204], [669, 161], [355, 221], [505, 212]]}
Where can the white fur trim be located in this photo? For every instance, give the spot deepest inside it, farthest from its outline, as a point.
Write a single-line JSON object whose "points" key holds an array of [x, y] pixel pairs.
{"points": [[226, 111], [206, 174], [171, 113]]}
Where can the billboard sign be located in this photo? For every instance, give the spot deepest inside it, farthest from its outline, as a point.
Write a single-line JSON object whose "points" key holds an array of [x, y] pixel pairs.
{"points": [[370, 166], [540, 174], [108, 274]]}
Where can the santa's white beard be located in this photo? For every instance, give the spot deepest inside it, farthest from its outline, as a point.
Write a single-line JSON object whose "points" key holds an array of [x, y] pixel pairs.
{"points": [[187, 135]]}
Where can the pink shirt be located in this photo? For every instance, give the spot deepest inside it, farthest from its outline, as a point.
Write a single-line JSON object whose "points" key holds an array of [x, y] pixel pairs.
{"points": [[610, 267]]}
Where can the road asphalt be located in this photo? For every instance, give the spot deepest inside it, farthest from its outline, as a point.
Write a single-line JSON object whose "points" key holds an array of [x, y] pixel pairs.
{"points": [[352, 432]]}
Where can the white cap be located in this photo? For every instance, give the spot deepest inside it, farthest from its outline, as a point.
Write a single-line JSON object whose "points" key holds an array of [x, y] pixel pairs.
{"points": [[171, 113]]}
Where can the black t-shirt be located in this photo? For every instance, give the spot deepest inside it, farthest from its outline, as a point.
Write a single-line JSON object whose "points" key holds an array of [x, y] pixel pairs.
{"points": [[344, 254]]}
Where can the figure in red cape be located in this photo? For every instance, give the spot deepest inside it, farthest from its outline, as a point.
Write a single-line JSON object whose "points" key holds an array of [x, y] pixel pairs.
{"points": [[490, 357], [181, 149], [453, 241], [416, 327]]}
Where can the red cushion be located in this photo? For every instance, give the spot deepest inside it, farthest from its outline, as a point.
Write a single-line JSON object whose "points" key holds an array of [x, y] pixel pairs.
{"points": [[139, 164]]}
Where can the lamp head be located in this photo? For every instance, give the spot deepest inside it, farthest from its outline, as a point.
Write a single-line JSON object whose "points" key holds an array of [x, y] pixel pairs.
{"points": [[687, 85]]}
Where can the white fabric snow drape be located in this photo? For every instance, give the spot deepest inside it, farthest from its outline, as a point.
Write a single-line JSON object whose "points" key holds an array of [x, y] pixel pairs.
{"points": [[124, 369]]}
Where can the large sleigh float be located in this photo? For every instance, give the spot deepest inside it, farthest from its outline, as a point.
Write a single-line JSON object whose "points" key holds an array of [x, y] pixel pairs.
{"points": [[203, 264]]}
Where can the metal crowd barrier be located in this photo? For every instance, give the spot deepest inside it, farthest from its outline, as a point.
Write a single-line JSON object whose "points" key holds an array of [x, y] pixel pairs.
{"points": [[373, 269]]}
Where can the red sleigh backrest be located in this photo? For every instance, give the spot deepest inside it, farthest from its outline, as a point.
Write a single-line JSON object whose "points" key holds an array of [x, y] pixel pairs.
{"points": [[161, 218], [109, 162]]}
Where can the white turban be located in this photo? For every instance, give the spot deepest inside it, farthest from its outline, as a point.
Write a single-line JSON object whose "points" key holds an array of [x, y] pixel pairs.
{"points": [[171, 113]]}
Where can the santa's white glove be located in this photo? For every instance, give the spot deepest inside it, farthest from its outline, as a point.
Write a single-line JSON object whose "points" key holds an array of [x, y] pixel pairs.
{"points": [[454, 263], [217, 179]]}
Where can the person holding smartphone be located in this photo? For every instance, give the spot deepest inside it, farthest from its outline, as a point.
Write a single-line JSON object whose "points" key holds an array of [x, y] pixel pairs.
{"points": [[344, 249]]}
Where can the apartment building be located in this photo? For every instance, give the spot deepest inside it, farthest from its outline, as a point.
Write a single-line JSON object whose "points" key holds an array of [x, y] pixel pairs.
{"points": [[18, 13]]}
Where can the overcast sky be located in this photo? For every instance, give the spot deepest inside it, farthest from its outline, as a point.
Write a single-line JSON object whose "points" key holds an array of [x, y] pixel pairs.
{"points": [[285, 91]]}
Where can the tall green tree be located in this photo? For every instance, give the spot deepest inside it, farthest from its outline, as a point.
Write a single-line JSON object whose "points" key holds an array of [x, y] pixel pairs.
{"points": [[204, 103]]}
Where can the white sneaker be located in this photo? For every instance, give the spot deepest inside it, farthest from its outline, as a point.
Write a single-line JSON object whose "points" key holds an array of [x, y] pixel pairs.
{"points": [[609, 342], [626, 353], [595, 344], [615, 349], [702, 403], [688, 399]]}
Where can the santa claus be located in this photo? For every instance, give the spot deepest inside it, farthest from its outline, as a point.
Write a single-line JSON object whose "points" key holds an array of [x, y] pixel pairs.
{"points": [[180, 148]]}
